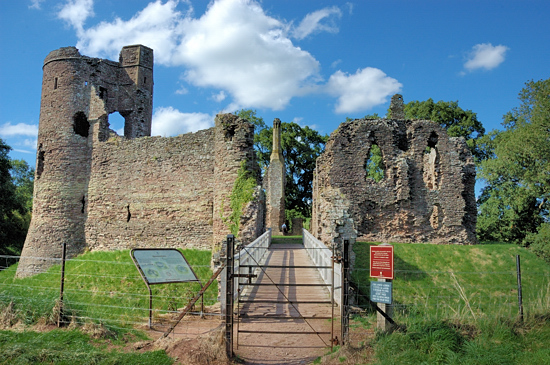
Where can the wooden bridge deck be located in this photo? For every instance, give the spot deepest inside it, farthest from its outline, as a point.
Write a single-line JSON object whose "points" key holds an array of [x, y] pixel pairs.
{"points": [[285, 323]]}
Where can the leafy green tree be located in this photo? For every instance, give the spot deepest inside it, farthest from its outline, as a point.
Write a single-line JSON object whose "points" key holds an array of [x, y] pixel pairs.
{"points": [[16, 187], [514, 203], [375, 164], [259, 126], [8, 201], [457, 121], [301, 146], [368, 116], [23, 179]]}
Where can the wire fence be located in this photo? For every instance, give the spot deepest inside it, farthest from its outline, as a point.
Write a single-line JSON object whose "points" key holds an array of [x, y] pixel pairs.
{"points": [[105, 289], [463, 297]]}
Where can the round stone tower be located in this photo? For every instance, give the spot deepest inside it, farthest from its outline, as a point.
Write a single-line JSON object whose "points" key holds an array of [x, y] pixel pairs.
{"points": [[78, 94]]}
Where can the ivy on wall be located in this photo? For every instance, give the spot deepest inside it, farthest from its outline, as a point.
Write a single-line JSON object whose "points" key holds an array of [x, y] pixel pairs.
{"points": [[243, 192]]}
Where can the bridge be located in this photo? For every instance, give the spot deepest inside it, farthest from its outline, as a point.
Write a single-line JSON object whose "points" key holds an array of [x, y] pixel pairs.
{"points": [[284, 300]]}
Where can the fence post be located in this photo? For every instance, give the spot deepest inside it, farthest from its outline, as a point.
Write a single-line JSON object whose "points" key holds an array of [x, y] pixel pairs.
{"points": [[61, 290], [344, 292], [520, 299], [229, 296]]}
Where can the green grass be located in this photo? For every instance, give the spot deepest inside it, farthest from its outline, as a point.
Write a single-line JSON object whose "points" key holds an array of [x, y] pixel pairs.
{"points": [[491, 342], [460, 282], [286, 239], [102, 287], [68, 347]]}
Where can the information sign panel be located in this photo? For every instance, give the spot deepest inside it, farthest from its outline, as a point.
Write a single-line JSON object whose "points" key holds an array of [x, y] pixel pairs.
{"points": [[163, 265], [381, 292], [381, 262]]}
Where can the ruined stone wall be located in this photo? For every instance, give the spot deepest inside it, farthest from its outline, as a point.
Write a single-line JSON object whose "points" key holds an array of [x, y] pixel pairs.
{"points": [[78, 93], [426, 193], [94, 189], [234, 143], [152, 192], [274, 184]]}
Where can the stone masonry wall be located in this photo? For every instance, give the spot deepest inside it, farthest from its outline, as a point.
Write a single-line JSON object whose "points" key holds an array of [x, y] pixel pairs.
{"points": [[426, 194], [152, 192], [274, 184], [94, 189]]}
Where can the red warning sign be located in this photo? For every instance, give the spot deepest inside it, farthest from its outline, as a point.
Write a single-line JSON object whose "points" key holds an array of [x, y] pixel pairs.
{"points": [[381, 262]]}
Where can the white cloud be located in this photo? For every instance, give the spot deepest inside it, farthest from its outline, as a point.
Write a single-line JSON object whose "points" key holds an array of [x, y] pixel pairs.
{"points": [[363, 90], [30, 142], [234, 47], [168, 121], [182, 90], [36, 4], [485, 56], [24, 151], [350, 8], [312, 22], [219, 97], [20, 129], [156, 26], [75, 13]]}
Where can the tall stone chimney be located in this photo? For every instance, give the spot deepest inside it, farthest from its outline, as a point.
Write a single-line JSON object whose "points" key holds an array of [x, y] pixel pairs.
{"points": [[275, 184]]}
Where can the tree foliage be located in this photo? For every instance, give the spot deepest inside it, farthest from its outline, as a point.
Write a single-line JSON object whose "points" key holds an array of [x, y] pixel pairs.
{"points": [[16, 189], [457, 121], [300, 146], [375, 164], [514, 202]]}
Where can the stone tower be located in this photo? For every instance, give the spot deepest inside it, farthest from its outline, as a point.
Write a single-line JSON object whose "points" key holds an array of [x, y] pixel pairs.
{"points": [[78, 94], [397, 107], [275, 183]]}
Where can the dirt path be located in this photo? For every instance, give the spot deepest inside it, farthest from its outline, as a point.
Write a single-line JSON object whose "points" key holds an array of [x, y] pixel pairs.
{"points": [[297, 347]]}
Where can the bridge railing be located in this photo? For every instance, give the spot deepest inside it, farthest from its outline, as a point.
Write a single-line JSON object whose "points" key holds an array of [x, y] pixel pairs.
{"points": [[321, 256], [254, 253]]}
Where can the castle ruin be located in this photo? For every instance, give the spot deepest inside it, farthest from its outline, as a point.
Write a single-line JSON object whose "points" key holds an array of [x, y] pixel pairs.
{"points": [[274, 184], [97, 190], [425, 192]]}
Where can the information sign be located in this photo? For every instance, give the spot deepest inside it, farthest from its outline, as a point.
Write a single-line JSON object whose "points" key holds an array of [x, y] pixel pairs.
{"points": [[163, 265], [381, 262], [381, 292]]}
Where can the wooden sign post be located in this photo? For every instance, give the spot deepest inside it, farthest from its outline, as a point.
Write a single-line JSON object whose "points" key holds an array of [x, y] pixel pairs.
{"points": [[381, 267]]}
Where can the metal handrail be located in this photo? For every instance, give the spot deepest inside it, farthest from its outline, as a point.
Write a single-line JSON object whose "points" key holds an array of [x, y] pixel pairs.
{"points": [[254, 253], [321, 256]]}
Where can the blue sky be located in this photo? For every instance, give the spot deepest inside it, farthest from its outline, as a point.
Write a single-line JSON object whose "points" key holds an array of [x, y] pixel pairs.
{"points": [[312, 62]]}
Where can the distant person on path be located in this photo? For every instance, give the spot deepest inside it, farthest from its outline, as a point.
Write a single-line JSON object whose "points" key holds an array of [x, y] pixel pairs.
{"points": [[283, 228]]}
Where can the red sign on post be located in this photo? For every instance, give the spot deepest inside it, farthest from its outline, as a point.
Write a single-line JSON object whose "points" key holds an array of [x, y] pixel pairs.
{"points": [[381, 262]]}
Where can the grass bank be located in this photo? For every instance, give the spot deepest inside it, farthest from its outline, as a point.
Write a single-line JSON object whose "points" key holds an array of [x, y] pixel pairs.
{"points": [[70, 347], [460, 282], [454, 305], [101, 287]]}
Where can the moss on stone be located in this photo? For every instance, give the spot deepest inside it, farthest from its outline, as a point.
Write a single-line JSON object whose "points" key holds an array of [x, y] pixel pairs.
{"points": [[242, 193]]}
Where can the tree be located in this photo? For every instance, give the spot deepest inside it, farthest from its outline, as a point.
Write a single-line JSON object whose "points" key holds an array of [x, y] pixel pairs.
{"points": [[457, 121], [23, 179], [8, 201], [301, 146], [259, 126], [514, 204], [16, 186]]}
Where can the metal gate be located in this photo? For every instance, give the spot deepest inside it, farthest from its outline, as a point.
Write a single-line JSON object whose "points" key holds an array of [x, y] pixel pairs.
{"points": [[282, 302], [280, 299], [273, 306]]}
